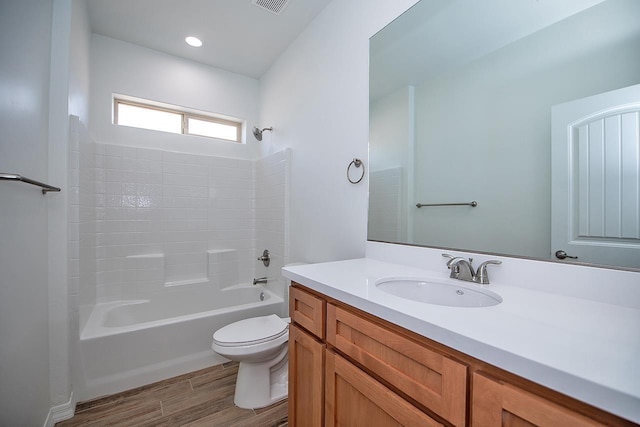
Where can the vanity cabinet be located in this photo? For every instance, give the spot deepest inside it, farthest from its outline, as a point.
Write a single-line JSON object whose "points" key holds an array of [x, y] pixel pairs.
{"points": [[431, 379], [306, 379], [497, 403], [348, 367], [345, 370], [306, 358], [354, 398]]}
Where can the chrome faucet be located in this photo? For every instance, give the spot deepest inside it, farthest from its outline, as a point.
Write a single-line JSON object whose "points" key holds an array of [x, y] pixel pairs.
{"points": [[482, 277], [260, 280], [462, 269]]}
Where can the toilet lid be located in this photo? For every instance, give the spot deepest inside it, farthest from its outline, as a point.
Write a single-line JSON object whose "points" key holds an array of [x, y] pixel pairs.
{"points": [[251, 331]]}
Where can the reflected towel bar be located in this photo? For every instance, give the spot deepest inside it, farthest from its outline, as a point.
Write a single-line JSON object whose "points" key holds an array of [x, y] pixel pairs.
{"points": [[15, 177], [472, 203]]}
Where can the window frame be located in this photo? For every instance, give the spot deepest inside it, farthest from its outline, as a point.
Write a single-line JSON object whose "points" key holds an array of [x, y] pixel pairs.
{"points": [[186, 115]]}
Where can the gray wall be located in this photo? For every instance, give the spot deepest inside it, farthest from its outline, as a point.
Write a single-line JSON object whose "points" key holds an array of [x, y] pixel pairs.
{"points": [[484, 133]]}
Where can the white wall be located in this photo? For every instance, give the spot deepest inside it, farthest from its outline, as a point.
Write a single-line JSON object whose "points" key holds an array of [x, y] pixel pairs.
{"points": [[127, 69], [82, 228], [68, 91], [317, 98], [80, 212], [24, 313], [79, 66]]}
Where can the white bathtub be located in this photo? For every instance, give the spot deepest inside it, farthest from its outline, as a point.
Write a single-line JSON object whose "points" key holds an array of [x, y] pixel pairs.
{"points": [[126, 344]]}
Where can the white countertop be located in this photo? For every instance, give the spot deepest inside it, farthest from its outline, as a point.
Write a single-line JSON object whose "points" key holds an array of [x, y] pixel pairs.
{"points": [[585, 349]]}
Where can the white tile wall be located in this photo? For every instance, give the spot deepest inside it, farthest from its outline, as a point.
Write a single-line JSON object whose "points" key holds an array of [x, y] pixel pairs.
{"points": [[223, 267], [148, 219], [185, 181], [271, 221], [144, 274], [231, 214]]}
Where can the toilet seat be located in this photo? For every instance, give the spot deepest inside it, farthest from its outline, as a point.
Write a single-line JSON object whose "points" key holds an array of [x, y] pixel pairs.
{"points": [[248, 332]]}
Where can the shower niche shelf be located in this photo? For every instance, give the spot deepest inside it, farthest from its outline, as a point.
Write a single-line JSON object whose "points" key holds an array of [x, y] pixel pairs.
{"points": [[217, 266]]}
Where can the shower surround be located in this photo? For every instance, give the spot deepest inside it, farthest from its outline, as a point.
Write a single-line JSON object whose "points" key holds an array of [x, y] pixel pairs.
{"points": [[146, 224]]}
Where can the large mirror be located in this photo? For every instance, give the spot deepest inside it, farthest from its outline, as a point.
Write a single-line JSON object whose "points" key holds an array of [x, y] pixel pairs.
{"points": [[527, 109]]}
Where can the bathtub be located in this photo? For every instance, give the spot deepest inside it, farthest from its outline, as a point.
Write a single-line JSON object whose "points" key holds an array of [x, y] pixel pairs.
{"points": [[126, 344]]}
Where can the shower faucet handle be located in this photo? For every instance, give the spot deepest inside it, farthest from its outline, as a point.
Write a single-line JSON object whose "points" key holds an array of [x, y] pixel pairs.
{"points": [[265, 258]]}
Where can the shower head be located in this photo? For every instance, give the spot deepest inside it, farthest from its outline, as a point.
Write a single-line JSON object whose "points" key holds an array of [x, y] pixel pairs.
{"points": [[258, 132]]}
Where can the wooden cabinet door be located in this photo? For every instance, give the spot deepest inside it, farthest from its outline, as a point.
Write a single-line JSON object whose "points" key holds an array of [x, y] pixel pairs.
{"points": [[495, 403], [435, 381], [353, 398], [306, 379]]}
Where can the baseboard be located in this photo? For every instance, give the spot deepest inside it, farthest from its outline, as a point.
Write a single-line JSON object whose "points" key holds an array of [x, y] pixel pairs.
{"points": [[61, 412]]}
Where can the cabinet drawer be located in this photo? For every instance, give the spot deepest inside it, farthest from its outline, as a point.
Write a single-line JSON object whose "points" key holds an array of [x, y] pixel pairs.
{"points": [[307, 310], [353, 398], [497, 404], [435, 381]]}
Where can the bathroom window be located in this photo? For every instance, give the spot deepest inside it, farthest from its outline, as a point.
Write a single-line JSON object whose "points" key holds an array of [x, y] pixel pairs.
{"points": [[147, 116]]}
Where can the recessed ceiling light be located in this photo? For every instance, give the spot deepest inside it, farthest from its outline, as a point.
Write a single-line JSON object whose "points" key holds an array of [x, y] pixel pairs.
{"points": [[193, 41]]}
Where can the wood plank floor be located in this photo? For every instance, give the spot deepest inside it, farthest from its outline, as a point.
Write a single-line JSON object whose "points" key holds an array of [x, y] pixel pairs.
{"points": [[198, 399]]}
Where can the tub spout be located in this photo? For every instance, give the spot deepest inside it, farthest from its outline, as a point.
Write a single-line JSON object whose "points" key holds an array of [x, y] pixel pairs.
{"points": [[260, 280]]}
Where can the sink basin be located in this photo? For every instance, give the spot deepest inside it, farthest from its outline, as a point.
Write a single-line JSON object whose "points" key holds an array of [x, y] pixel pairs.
{"points": [[432, 291]]}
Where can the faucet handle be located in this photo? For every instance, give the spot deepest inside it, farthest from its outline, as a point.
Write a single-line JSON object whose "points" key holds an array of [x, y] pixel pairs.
{"points": [[265, 258], [451, 258], [482, 276], [455, 269]]}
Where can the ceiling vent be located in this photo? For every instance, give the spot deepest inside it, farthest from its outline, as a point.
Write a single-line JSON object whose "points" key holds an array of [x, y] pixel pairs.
{"points": [[273, 6]]}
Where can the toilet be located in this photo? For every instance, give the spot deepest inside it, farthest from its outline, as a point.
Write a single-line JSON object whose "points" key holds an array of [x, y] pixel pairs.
{"points": [[260, 344]]}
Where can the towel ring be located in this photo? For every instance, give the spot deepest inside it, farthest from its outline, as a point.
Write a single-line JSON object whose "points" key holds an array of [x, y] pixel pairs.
{"points": [[357, 163]]}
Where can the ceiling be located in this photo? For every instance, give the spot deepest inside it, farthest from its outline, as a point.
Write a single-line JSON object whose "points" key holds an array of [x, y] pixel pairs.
{"points": [[238, 36]]}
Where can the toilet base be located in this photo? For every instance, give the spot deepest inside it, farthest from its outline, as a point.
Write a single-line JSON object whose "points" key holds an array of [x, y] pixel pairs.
{"points": [[262, 384]]}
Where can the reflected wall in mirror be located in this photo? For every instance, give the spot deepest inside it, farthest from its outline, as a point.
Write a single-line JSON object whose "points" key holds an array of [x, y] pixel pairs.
{"points": [[461, 100]]}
